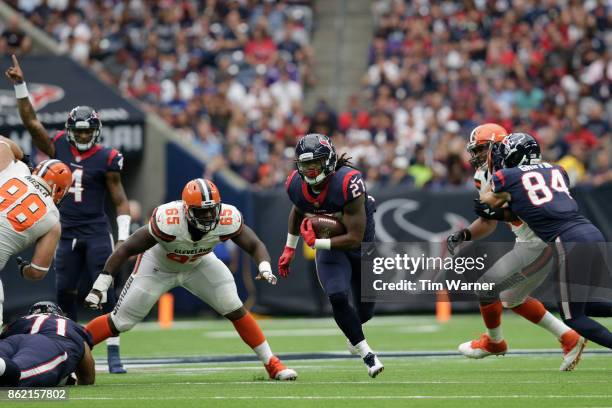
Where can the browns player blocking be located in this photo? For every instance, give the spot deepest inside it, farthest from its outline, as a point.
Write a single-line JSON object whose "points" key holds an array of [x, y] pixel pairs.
{"points": [[324, 184], [86, 240], [44, 348], [516, 274], [176, 250], [28, 213]]}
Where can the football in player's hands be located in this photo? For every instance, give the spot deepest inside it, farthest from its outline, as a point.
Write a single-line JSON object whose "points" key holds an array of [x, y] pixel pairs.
{"points": [[325, 226]]}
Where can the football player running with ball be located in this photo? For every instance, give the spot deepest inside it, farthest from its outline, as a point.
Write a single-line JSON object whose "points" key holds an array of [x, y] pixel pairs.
{"points": [[176, 249], [326, 184], [516, 274], [537, 192], [86, 240]]}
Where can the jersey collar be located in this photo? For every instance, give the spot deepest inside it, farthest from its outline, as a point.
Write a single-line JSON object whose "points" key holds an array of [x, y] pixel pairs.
{"points": [[80, 156], [316, 199]]}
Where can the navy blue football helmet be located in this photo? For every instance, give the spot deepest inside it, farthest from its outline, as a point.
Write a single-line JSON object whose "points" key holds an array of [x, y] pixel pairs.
{"points": [[46, 307], [83, 118], [315, 157], [515, 150]]}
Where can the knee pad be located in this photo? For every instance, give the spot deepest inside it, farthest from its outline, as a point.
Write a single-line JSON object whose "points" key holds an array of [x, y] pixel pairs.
{"points": [[10, 373], [123, 323], [487, 296], [339, 299]]}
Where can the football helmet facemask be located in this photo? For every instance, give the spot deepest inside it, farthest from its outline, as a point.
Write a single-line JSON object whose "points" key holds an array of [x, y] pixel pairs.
{"points": [[83, 128], [202, 203], [516, 149], [481, 140], [315, 158]]}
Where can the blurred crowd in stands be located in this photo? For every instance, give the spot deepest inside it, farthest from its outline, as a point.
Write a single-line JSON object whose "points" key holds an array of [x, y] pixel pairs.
{"points": [[230, 77]]}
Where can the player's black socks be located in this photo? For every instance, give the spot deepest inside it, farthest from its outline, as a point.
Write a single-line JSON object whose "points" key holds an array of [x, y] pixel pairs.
{"points": [[598, 309], [9, 373], [366, 311], [346, 317], [68, 302], [591, 330]]}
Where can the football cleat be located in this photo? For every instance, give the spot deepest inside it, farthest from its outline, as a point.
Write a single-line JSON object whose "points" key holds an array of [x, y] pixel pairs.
{"points": [[573, 345], [114, 360], [374, 365], [483, 347], [278, 371], [352, 349]]}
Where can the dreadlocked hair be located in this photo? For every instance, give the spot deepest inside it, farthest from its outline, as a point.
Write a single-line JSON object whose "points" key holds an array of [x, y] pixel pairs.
{"points": [[344, 160]]}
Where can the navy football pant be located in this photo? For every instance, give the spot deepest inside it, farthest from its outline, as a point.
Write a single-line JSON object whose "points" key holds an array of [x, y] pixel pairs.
{"points": [[340, 272], [77, 260], [41, 360], [581, 268]]}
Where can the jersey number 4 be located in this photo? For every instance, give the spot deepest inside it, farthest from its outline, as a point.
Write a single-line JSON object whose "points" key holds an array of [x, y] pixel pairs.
{"points": [[24, 214], [77, 185], [538, 192]]}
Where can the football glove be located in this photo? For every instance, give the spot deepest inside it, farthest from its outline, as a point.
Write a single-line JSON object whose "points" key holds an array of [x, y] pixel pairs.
{"points": [[265, 272], [457, 238], [97, 295], [21, 264], [308, 232], [485, 211], [285, 260]]}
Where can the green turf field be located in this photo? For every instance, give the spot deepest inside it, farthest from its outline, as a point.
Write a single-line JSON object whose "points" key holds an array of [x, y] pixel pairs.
{"points": [[438, 381]]}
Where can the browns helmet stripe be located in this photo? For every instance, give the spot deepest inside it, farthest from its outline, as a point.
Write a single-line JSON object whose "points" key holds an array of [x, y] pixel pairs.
{"points": [[47, 164], [204, 189], [214, 191]]}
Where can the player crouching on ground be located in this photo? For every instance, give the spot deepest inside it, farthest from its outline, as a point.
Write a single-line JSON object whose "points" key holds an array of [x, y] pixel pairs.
{"points": [[45, 349], [176, 250]]}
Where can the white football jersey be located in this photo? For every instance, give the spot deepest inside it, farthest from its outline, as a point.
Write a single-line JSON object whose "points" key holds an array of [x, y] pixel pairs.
{"points": [[521, 230], [27, 211], [175, 250]]}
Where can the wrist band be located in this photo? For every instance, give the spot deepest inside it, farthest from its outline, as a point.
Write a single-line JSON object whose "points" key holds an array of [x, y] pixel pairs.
{"points": [[40, 268], [265, 266], [322, 243], [467, 235], [123, 227], [292, 240], [21, 91]]}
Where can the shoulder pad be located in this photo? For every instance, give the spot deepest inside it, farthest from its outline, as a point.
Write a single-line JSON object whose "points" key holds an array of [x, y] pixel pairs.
{"points": [[352, 183], [166, 221], [230, 222], [114, 162]]}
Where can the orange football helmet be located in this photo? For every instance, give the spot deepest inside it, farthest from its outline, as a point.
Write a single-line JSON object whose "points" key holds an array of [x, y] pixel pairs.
{"points": [[57, 176], [202, 204], [481, 139]]}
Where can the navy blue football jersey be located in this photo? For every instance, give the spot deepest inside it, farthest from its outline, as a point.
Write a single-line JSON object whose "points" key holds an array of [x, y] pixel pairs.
{"points": [[541, 198], [344, 185], [82, 212], [67, 335]]}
